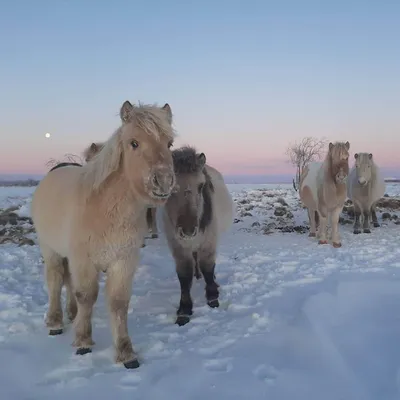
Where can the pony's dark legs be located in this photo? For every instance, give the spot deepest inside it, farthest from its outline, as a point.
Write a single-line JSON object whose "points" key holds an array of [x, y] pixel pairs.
{"points": [[206, 261], [357, 216], [366, 226], [151, 218], [197, 272], [374, 217], [184, 269]]}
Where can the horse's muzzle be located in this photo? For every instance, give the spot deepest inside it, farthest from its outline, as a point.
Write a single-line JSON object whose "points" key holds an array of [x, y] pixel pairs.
{"points": [[162, 183]]}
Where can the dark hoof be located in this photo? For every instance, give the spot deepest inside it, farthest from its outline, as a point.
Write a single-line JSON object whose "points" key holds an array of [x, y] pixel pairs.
{"points": [[197, 275], [132, 364], [356, 231], [377, 224], [213, 303], [182, 320], [312, 235], [83, 350], [154, 235], [322, 242], [367, 230], [143, 245], [336, 245], [54, 332]]}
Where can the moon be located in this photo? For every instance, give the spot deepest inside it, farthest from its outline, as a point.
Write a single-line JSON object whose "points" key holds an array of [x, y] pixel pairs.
{"points": [[47, 135]]}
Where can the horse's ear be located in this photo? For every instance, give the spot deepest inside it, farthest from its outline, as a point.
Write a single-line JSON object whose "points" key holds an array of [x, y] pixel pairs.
{"points": [[167, 108], [347, 144], [93, 147], [330, 146], [125, 112], [201, 160], [356, 156], [370, 156]]}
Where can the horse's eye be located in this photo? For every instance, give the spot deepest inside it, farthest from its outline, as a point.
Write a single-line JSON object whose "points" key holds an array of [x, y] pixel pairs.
{"points": [[134, 144], [170, 144]]}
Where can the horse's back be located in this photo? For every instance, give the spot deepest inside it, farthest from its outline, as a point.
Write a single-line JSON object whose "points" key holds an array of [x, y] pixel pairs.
{"points": [[223, 204], [309, 185], [51, 207]]}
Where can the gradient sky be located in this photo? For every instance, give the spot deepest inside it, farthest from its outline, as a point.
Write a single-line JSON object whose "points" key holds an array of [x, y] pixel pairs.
{"points": [[243, 78]]}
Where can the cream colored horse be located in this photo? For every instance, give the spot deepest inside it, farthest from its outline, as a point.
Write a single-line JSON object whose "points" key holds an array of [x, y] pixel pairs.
{"points": [[323, 189], [151, 214], [94, 217]]}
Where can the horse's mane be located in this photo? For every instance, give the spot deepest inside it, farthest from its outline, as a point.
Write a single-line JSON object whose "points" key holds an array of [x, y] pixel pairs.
{"points": [[150, 118], [186, 160]]}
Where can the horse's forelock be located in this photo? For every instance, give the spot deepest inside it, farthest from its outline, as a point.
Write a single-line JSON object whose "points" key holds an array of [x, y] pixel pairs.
{"points": [[186, 161]]}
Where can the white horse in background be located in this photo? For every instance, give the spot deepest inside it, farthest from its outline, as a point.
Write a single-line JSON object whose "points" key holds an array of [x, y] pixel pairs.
{"points": [[364, 188]]}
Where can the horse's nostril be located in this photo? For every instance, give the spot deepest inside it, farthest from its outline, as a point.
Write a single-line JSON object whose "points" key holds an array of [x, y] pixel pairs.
{"points": [[155, 180]]}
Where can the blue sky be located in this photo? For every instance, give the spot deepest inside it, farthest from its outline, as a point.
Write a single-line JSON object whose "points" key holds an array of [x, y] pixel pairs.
{"points": [[243, 78]]}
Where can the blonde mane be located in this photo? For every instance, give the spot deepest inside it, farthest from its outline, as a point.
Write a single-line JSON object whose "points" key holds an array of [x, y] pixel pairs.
{"points": [[152, 119]]}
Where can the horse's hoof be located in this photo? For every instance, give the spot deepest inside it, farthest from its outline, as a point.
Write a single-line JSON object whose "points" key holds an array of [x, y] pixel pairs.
{"points": [[322, 242], [367, 230], [83, 350], [154, 235], [143, 245], [182, 320], [54, 332], [377, 224], [356, 231], [132, 364], [312, 234], [213, 303], [336, 245]]}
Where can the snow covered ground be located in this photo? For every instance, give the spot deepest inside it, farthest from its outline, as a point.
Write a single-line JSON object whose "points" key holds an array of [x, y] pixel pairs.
{"points": [[297, 320]]}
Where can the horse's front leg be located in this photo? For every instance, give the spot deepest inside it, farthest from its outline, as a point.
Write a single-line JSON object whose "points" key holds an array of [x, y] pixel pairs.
{"points": [[366, 225], [119, 289], [154, 229], [185, 271], [86, 288], [335, 214], [206, 262]]}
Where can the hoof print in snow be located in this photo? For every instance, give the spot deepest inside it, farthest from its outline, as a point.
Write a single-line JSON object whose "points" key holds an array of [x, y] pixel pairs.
{"points": [[182, 320], [83, 350], [132, 364], [55, 332], [213, 303]]}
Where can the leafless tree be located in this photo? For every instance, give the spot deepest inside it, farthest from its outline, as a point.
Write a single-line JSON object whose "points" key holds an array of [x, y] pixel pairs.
{"points": [[302, 153]]}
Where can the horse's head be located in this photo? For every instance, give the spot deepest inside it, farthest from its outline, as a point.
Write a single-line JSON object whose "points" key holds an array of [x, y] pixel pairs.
{"points": [[363, 165], [189, 208], [145, 141], [339, 161], [92, 150]]}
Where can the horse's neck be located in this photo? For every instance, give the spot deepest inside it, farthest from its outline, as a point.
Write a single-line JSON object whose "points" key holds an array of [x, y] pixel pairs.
{"points": [[115, 197]]}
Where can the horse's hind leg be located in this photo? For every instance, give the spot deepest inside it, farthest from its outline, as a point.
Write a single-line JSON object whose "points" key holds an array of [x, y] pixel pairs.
{"points": [[185, 271], [86, 288], [357, 216], [366, 225], [374, 217], [313, 225], [197, 272], [54, 271], [154, 230], [71, 307], [207, 268]]}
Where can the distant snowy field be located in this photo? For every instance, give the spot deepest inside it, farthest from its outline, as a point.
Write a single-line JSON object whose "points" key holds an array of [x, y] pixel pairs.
{"points": [[296, 321]]}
